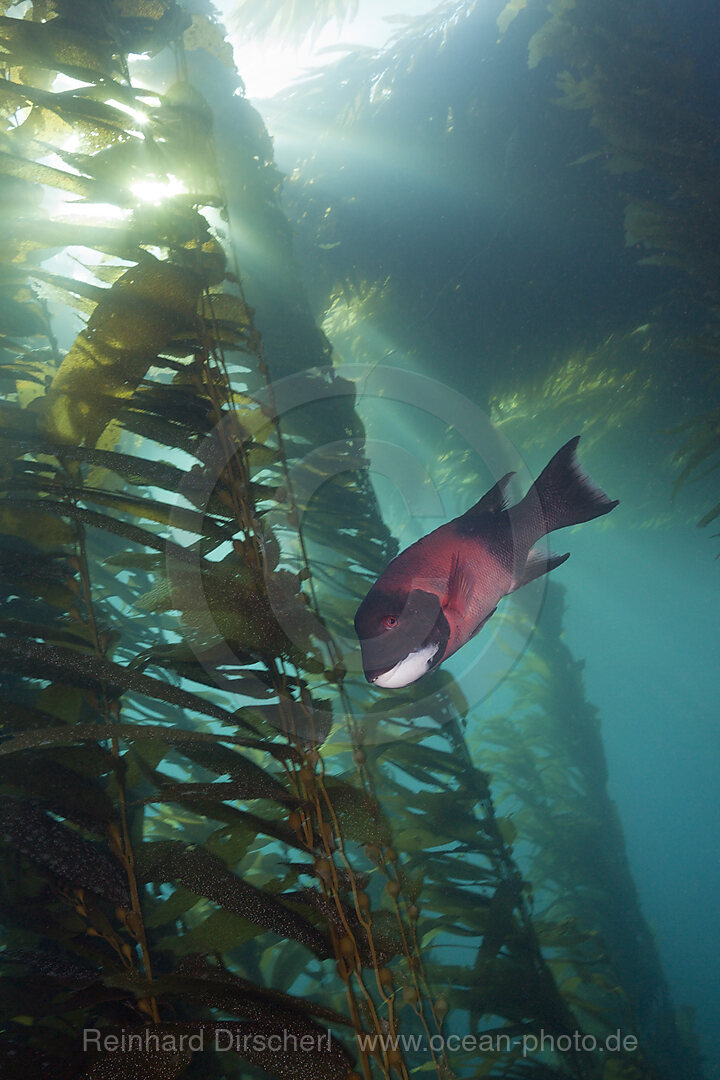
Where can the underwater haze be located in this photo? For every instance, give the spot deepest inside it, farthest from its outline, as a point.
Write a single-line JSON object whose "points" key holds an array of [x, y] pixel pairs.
{"points": [[285, 287]]}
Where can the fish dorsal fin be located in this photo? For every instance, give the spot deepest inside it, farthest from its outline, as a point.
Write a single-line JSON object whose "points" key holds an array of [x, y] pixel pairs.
{"points": [[491, 505], [459, 588], [493, 501]]}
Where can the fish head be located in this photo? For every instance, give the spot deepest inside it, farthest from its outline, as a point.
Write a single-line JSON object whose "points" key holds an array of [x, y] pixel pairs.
{"points": [[403, 634]]}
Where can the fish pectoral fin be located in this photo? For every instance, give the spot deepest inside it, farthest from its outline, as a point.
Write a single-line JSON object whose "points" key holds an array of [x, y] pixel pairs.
{"points": [[459, 587], [536, 565], [482, 622]]}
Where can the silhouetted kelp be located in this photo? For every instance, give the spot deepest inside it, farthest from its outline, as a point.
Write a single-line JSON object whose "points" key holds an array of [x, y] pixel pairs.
{"points": [[624, 68]]}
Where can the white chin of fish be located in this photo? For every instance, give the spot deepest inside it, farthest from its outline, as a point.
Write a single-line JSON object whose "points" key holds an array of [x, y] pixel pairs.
{"points": [[408, 670]]}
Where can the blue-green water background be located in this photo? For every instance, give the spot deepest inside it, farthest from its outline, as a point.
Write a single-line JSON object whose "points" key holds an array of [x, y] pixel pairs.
{"points": [[503, 258]]}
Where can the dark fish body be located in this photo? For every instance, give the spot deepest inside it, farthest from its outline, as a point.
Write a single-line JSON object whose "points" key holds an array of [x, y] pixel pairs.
{"points": [[441, 591]]}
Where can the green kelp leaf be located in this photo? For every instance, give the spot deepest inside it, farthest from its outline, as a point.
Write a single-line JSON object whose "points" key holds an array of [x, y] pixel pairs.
{"points": [[68, 288], [206, 874], [267, 826], [60, 850], [48, 529], [34, 173], [135, 470], [228, 318], [171, 908], [308, 723], [702, 444], [360, 816], [98, 123], [223, 760], [31, 236], [205, 665], [75, 635], [219, 932], [133, 322], [82, 669], [151, 510], [58, 46], [428, 760], [210, 36], [35, 568], [21, 319]]}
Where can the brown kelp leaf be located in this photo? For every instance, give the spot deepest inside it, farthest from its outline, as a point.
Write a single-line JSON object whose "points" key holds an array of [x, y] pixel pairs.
{"points": [[70, 734], [501, 927], [84, 669], [253, 786], [60, 850], [62, 790], [47, 960], [195, 976], [137, 317], [274, 1045], [139, 1064], [206, 874]]}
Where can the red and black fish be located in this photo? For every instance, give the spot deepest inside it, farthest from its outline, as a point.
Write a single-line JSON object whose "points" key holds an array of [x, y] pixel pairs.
{"points": [[440, 591]]}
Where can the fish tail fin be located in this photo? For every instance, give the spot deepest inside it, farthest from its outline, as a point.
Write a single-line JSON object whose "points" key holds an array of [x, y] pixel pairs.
{"points": [[566, 495]]}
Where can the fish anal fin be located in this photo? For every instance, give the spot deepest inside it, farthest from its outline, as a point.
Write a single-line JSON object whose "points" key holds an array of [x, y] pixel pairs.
{"points": [[537, 564]]}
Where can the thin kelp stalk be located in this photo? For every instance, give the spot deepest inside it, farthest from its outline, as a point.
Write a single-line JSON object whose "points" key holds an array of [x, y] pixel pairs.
{"points": [[310, 788], [346, 944], [120, 841], [307, 781]]}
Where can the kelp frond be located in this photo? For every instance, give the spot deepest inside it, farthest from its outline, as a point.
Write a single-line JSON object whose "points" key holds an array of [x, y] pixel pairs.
{"points": [[287, 20]]}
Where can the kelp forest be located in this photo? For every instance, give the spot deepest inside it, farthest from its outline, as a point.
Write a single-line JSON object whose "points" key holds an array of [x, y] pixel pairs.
{"points": [[216, 837]]}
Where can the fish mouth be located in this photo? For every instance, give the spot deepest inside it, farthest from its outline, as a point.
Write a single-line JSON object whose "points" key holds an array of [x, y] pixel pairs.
{"points": [[373, 676], [408, 670], [411, 649]]}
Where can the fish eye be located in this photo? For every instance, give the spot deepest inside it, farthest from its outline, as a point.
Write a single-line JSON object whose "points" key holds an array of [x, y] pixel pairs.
{"points": [[389, 621]]}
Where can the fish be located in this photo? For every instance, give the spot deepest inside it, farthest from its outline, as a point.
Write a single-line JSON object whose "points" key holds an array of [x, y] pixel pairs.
{"points": [[437, 594]]}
